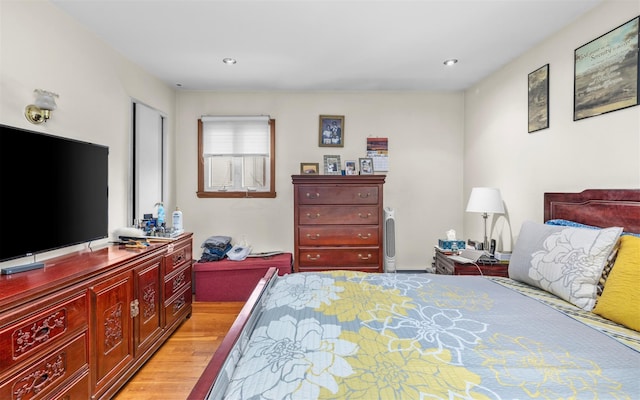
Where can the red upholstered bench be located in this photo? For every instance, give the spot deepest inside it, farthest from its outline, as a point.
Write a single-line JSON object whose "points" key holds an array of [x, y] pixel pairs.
{"points": [[227, 280]]}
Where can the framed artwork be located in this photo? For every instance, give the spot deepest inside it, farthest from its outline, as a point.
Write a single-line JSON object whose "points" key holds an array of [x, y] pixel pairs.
{"points": [[366, 166], [332, 165], [309, 168], [331, 131], [538, 99], [350, 168], [606, 72]]}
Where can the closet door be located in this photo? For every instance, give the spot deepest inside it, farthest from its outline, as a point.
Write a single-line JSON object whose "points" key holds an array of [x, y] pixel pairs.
{"points": [[149, 161]]}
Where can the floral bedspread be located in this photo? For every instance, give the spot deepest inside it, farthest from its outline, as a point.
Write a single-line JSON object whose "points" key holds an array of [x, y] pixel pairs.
{"points": [[351, 335]]}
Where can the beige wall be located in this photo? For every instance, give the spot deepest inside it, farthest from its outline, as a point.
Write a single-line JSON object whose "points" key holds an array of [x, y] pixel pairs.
{"points": [[423, 185], [597, 152], [435, 139], [41, 47]]}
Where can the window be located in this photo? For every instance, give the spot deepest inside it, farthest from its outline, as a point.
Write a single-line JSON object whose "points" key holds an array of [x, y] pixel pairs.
{"points": [[236, 156]]}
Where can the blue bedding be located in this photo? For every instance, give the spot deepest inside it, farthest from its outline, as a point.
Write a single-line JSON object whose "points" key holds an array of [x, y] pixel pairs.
{"points": [[352, 335]]}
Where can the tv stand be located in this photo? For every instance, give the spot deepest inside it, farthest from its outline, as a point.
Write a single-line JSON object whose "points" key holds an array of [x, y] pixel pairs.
{"points": [[82, 326]]}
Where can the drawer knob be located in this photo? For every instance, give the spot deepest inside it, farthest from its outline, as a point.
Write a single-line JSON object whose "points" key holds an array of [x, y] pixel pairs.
{"points": [[312, 258], [364, 237], [361, 215], [313, 216], [313, 237], [367, 257], [364, 195], [313, 195]]}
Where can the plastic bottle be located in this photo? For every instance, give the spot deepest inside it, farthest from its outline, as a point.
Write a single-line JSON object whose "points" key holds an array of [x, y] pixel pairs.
{"points": [[160, 213], [177, 220]]}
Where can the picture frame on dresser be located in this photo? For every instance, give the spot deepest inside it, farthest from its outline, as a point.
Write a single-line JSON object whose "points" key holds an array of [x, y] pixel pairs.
{"points": [[350, 167], [309, 168], [332, 165], [331, 131], [366, 166]]}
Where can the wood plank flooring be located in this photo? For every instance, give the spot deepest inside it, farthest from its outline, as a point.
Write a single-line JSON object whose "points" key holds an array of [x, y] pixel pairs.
{"points": [[173, 371]]}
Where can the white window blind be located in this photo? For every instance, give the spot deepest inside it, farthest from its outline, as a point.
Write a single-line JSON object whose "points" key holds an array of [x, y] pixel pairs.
{"points": [[235, 135], [237, 156]]}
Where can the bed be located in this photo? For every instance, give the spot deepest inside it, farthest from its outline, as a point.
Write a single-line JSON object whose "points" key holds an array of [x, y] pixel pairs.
{"points": [[563, 325]]}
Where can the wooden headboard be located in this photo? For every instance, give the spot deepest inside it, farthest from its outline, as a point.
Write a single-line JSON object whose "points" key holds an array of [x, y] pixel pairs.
{"points": [[597, 207]]}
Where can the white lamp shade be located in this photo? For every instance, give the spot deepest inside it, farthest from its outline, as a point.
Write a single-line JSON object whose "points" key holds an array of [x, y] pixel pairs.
{"points": [[45, 100], [485, 200]]}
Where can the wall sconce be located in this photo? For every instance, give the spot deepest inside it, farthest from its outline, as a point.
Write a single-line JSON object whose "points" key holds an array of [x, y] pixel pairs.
{"points": [[485, 200], [40, 111]]}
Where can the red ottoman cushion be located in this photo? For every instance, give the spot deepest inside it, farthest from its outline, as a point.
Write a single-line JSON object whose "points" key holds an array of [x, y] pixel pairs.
{"points": [[227, 280]]}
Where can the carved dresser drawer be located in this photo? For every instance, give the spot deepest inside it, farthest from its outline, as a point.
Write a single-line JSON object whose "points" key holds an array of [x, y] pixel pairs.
{"points": [[38, 330], [178, 254], [178, 306], [177, 281], [40, 377], [338, 222]]}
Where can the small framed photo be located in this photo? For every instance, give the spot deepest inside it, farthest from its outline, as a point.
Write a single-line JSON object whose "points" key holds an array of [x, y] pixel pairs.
{"points": [[332, 165], [331, 131], [366, 166], [309, 168], [350, 168]]}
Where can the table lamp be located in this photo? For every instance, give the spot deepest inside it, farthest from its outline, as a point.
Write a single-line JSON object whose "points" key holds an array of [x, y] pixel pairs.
{"points": [[485, 200]]}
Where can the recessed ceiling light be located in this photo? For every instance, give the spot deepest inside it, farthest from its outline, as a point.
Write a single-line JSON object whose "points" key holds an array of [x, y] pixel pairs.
{"points": [[229, 61], [450, 62]]}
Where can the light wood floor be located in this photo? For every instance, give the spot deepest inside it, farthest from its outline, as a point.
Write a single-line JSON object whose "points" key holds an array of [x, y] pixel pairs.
{"points": [[173, 371]]}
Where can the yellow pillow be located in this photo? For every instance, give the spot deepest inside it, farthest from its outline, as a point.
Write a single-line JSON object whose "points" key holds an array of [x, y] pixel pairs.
{"points": [[620, 300]]}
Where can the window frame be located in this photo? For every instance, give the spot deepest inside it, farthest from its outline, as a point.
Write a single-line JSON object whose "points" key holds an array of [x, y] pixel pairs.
{"points": [[201, 193]]}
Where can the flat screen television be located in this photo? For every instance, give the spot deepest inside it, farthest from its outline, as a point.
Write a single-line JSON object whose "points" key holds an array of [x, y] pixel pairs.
{"points": [[53, 192]]}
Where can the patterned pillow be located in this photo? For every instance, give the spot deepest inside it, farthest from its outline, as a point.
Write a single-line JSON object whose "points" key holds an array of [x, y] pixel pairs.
{"points": [[610, 260], [620, 301], [565, 261]]}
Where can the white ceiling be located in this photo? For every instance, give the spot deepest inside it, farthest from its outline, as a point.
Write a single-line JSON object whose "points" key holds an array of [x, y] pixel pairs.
{"points": [[323, 45]]}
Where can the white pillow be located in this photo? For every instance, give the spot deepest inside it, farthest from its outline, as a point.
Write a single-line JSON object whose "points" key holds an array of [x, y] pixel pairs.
{"points": [[565, 261]]}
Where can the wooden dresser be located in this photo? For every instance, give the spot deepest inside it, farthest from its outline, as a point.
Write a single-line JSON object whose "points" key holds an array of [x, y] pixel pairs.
{"points": [[84, 324], [338, 222]]}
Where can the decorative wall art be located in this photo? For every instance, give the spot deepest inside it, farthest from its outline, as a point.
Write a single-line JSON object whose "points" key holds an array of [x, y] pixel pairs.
{"points": [[606, 72], [539, 99], [331, 131]]}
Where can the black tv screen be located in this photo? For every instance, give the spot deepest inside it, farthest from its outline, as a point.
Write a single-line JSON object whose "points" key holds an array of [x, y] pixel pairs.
{"points": [[53, 192]]}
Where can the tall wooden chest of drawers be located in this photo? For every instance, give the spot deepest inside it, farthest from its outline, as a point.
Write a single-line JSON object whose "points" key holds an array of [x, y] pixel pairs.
{"points": [[338, 222]]}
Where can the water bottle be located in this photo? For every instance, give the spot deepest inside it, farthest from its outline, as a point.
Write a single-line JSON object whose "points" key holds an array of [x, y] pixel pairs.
{"points": [[160, 213], [177, 220]]}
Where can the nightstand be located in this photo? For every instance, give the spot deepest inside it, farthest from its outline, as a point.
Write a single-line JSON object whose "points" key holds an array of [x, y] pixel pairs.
{"points": [[446, 266]]}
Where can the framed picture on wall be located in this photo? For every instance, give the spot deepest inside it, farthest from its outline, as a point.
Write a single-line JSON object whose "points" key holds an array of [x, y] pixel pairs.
{"points": [[606, 72], [331, 131], [332, 165], [538, 99]]}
